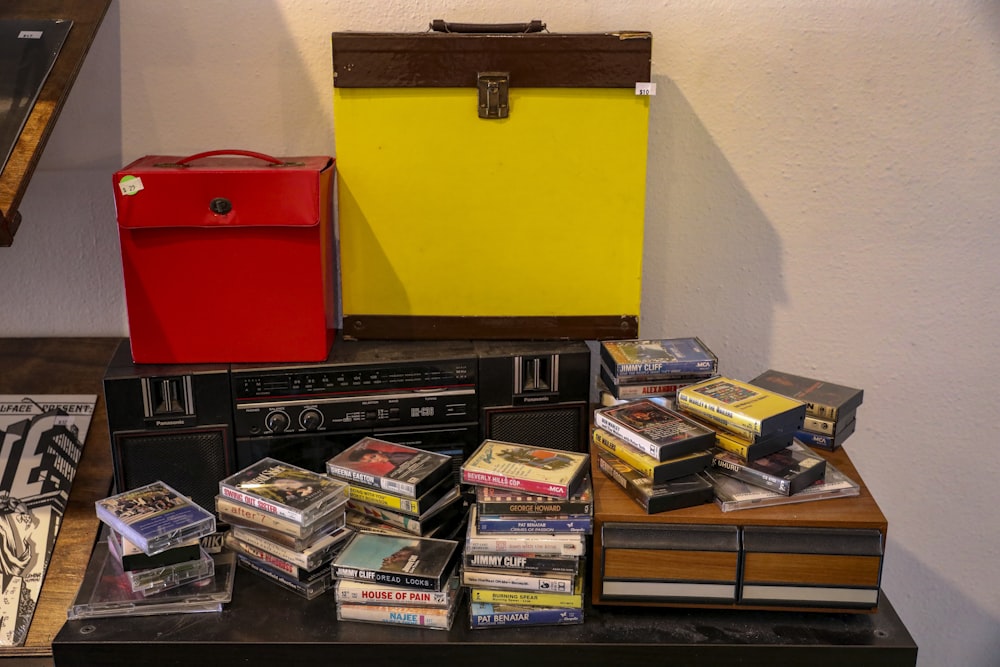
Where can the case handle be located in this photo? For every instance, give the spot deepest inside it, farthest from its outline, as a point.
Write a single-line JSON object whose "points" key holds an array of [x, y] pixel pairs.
{"points": [[440, 25], [197, 156]]}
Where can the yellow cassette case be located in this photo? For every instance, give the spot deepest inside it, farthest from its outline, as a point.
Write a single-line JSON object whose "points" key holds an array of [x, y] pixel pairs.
{"points": [[491, 185]]}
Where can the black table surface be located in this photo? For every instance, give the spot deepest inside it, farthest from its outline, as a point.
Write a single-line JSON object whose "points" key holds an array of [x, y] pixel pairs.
{"points": [[267, 623]]}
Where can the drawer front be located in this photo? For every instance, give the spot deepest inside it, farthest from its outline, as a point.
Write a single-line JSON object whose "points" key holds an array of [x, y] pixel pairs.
{"points": [[812, 569], [669, 563], [662, 564], [811, 566]]}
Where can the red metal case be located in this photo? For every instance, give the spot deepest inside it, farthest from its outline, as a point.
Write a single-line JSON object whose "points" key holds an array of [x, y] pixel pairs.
{"points": [[228, 256]]}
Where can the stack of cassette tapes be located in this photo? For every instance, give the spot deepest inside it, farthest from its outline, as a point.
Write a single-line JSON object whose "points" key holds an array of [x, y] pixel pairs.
{"points": [[655, 454], [398, 580], [760, 420], [733, 493], [287, 523], [152, 561], [831, 409], [652, 368], [787, 472], [758, 459], [399, 490], [167, 569], [526, 539]]}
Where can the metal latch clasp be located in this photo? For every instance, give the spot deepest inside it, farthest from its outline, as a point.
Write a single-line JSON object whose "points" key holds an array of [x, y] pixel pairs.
{"points": [[494, 100]]}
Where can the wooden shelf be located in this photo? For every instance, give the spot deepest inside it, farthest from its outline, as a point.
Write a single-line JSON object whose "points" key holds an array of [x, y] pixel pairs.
{"points": [[63, 366], [86, 16]]}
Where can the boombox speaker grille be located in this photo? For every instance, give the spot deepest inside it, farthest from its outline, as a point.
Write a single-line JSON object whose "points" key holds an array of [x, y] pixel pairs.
{"points": [[192, 462], [556, 427]]}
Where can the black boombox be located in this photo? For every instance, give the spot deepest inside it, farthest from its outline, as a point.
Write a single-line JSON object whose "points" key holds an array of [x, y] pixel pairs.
{"points": [[190, 426]]}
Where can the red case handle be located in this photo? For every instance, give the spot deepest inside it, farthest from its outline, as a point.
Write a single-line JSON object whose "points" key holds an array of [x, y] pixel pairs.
{"points": [[198, 156]]}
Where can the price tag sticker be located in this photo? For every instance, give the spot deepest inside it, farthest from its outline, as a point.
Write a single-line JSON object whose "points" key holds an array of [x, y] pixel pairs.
{"points": [[645, 88], [130, 185]]}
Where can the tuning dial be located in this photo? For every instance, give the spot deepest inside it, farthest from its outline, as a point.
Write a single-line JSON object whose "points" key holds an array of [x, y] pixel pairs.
{"points": [[276, 421], [311, 419]]}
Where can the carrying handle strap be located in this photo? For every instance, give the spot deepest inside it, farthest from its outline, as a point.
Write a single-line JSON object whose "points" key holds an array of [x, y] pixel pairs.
{"points": [[197, 156], [440, 25]]}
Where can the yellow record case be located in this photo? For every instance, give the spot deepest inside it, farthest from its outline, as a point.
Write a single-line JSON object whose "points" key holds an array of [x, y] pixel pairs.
{"points": [[491, 184]]}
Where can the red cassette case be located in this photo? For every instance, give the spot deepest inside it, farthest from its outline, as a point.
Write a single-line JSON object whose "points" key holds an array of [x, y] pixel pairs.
{"points": [[228, 256]]}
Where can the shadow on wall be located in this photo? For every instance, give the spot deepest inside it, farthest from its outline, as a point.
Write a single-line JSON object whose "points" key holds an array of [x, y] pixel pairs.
{"points": [[713, 261], [959, 632]]}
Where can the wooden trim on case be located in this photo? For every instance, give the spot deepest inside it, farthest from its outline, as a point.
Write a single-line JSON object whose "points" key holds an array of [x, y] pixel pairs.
{"points": [[454, 60], [403, 327]]}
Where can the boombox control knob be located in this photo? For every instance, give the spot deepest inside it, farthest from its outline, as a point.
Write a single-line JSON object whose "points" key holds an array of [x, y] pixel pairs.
{"points": [[311, 419], [276, 422]]}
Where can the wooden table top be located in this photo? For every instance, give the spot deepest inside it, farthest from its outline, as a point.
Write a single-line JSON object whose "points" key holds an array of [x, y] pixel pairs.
{"points": [[64, 366]]}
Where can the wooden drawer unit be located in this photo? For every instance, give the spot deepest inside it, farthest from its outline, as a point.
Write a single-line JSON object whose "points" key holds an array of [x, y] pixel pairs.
{"points": [[817, 556]]}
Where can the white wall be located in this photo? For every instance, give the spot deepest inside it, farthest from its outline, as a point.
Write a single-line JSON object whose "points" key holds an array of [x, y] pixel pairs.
{"points": [[823, 183]]}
